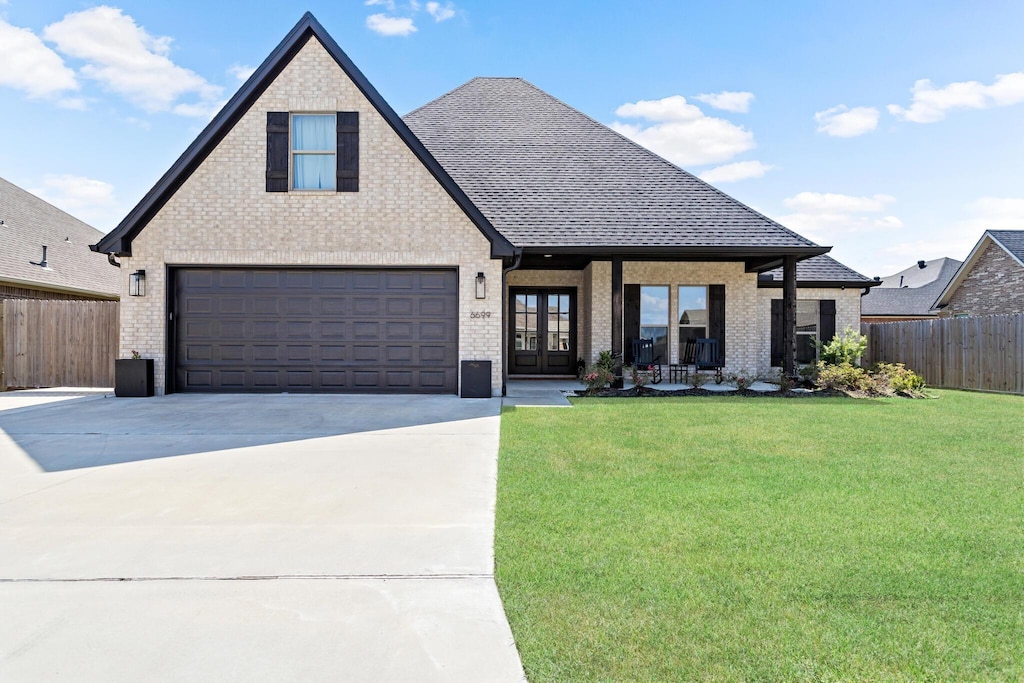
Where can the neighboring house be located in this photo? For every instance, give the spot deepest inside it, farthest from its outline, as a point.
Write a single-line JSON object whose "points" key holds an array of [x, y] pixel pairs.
{"points": [[44, 252], [990, 281], [909, 294], [312, 240]]}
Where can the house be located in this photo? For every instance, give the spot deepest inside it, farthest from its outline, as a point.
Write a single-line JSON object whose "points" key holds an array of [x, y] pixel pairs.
{"points": [[909, 294], [310, 239], [44, 252], [990, 281]]}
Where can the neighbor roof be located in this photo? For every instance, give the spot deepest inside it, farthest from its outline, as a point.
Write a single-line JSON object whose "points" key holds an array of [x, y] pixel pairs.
{"points": [[1011, 241], [818, 271], [916, 295], [119, 240], [548, 176], [28, 224]]}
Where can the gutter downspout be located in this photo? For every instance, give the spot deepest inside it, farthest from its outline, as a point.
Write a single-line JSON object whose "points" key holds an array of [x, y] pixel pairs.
{"points": [[111, 261], [517, 259]]}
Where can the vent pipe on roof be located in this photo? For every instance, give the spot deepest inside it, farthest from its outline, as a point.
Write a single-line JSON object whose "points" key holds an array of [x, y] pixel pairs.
{"points": [[901, 280], [42, 262], [921, 264]]}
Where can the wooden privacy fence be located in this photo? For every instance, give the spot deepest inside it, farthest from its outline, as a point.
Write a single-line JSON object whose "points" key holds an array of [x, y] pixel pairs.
{"points": [[984, 353], [57, 343]]}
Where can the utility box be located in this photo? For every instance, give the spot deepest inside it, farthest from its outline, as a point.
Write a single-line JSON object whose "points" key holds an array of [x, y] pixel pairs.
{"points": [[476, 379]]}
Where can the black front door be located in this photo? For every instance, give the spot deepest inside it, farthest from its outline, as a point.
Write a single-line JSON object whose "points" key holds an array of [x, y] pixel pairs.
{"points": [[543, 331]]}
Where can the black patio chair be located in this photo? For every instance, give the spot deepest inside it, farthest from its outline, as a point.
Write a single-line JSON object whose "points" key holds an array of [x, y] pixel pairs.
{"points": [[707, 358], [645, 360], [688, 358]]}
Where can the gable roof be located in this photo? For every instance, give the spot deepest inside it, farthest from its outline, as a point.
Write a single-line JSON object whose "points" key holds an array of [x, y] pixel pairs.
{"points": [[119, 240], [910, 292], [549, 177], [28, 224], [1011, 241], [818, 271]]}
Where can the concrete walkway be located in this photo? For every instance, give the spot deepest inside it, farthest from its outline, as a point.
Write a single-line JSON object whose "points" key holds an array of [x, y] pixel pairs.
{"points": [[251, 538]]}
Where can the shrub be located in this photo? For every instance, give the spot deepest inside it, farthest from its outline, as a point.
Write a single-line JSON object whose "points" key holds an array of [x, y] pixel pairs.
{"points": [[640, 376], [808, 373], [743, 379], [606, 361], [699, 379], [847, 347], [897, 378], [784, 381], [844, 376], [597, 378]]}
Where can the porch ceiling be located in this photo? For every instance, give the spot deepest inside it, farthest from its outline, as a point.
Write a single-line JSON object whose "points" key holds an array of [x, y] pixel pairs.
{"points": [[576, 258]]}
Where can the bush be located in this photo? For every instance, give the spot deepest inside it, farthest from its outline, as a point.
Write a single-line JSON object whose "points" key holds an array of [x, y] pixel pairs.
{"points": [[897, 378], [808, 373], [785, 382], [742, 379], [640, 376], [699, 379], [847, 347], [605, 360], [844, 376], [597, 378]]}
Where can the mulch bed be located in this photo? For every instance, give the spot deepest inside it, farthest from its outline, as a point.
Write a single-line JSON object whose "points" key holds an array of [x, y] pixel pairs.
{"points": [[649, 392]]}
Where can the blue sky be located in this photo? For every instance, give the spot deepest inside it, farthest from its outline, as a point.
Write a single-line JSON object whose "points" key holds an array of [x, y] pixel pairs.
{"points": [[893, 131]]}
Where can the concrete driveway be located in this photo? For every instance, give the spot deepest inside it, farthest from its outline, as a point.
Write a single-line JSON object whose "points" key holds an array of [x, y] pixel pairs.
{"points": [[251, 538]]}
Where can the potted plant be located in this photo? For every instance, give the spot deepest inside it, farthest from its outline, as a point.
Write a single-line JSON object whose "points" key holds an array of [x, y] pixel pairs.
{"points": [[133, 376]]}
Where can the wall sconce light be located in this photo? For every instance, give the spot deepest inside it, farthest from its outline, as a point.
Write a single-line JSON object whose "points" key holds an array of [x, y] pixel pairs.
{"points": [[137, 283], [481, 286]]}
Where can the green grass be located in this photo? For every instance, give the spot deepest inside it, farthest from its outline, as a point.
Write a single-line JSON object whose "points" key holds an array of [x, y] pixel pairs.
{"points": [[736, 539]]}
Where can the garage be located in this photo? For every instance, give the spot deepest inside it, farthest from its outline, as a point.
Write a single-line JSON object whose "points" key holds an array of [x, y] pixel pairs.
{"points": [[314, 330]]}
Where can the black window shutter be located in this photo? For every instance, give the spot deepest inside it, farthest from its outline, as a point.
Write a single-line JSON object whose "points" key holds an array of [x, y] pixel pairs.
{"points": [[277, 151], [826, 320], [716, 317], [630, 320], [348, 151], [776, 333]]}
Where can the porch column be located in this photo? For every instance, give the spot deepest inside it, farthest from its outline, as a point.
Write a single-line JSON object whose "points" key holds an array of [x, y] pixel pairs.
{"points": [[789, 315], [617, 318]]}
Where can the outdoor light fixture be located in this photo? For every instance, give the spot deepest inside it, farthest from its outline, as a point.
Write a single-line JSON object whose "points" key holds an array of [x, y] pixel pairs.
{"points": [[481, 286], [137, 283]]}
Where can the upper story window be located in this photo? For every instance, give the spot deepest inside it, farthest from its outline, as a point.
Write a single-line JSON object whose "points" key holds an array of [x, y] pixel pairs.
{"points": [[318, 152], [314, 152]]}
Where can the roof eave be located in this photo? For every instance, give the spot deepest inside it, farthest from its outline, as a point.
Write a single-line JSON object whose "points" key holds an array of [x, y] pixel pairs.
{"points": [[737, 253], [50, 287], [119, 240]]}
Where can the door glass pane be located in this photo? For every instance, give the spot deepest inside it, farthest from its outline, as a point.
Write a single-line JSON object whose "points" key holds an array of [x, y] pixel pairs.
{"points": [[526, 322], [558, 322]]}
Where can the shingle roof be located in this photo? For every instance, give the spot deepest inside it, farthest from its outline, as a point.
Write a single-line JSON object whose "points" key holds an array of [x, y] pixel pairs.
{"points": [[546, 175], [1012, 241], [911, 291], [819, 269], [30, 223]]}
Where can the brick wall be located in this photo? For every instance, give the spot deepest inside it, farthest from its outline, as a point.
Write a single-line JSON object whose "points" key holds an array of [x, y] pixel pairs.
{"points": [[401, 216], [847, 313], [995, 285]]}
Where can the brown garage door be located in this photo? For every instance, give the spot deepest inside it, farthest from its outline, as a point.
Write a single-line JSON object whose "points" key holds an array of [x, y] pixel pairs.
{"points": [[315, 330]]}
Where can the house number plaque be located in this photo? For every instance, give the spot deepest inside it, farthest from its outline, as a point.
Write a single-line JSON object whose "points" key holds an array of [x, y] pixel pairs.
{"points": [[480, 314]]}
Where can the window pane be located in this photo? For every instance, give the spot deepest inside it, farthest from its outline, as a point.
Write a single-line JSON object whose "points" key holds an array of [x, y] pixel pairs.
{"points": [[654, 306], [807, 316], [806, 352], [689, 334], [660, 336], [316, 132], [693, 306], [314, 171]]}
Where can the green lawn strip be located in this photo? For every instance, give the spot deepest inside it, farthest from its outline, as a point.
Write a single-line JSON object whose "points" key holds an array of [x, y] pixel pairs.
{"points": [[731, 538]]}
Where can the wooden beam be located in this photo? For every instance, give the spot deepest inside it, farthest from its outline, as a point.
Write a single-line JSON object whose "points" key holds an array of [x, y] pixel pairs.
{"points": [[789, 315], [617, 318]]}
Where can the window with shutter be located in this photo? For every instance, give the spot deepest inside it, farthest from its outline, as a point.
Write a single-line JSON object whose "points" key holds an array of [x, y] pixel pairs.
{"points": [[313, 151]]}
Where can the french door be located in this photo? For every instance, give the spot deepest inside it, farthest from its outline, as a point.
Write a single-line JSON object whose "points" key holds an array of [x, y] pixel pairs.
{"points": [[542, 331]]}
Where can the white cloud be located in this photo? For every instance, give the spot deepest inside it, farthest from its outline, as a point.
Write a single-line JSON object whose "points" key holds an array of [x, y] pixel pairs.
{"points": [[76, 103], [241, 72], [825, 216], [28, 65], [439, 12], [387, 4], [729, 101], [930, 104], [125, 59], [76, 195], [202, 110], [390, 26], [682, 133], [741, 170], [843, 122]]}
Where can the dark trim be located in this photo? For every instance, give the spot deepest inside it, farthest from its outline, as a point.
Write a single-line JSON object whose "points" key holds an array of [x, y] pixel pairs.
{"points": [[119, 240], [823, 284], [789, 315], [720, 253], [617, 319], [826, 320], [716, 318]]}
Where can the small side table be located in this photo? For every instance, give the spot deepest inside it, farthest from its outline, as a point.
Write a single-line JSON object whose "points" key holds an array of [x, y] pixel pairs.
{"points": [[676, 372]]}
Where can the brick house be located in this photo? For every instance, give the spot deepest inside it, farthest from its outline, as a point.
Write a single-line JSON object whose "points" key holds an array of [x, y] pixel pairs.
{"points": [[990, 281], [909, 294], [44, 252], [310, 239]]}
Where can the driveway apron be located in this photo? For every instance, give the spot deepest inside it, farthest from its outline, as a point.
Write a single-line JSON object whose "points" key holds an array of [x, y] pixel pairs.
{"points": [[240, 537]]}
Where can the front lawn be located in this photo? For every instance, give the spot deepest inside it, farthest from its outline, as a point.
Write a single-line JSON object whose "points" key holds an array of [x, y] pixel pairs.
{"points": [[738, 539]]}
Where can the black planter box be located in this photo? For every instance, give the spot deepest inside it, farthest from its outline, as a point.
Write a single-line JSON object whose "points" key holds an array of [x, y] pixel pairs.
{"points": [[133, 377], [476, 379]]}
